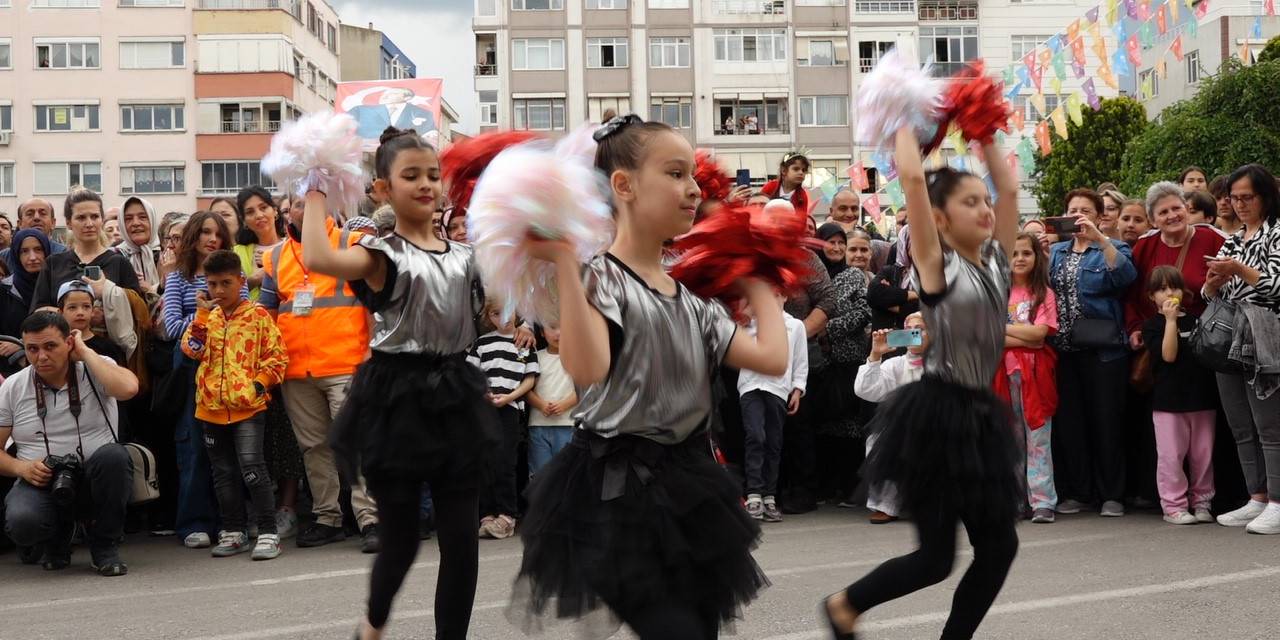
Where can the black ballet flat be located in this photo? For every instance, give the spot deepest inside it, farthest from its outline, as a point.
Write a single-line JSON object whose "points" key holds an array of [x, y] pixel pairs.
{"points": [[824, 612]]}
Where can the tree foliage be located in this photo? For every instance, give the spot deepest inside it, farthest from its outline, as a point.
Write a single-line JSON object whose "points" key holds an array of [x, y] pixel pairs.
{"points": [[1234, 119], [1271, 51], [1092, 153]]}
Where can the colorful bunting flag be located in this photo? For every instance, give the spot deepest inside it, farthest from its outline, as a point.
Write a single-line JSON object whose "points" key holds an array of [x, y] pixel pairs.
{"points": [[1146, 35], [1112, 11], [1162, 69], [1018, 120], [1131, 8], [1059, 118], [1026, 156], [1173, 11], [829, 189], [1144, 10], [1073, 30], [1010, 76], [1146, 89], [1095, 30], [1257, 28], [1060, 65], [1161, 20], [1037, 99], [872, 204], [1077, 69], [1046, 57], [896, 197], [1202, 9], [1074, 104], [1042, 138], [959, 163], [1269, 6], [1110, 78], [1246, 56], [956, 138], [858, 177], [1092, 16], [1055, 85], [1077, 50], [1135, 54], [1054, 43], [1000, 138], [1193, 28], [1091, 94], [1177, 42], [1190, 3], [1014, 90]]}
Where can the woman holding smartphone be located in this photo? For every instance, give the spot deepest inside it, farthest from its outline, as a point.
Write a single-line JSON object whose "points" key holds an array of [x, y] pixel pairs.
{"points": [[89, 255]]}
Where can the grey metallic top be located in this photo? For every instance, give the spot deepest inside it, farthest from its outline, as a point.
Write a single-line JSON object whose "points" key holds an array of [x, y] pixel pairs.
{"points": [[664, 350], [966, 322], [430, 300]]}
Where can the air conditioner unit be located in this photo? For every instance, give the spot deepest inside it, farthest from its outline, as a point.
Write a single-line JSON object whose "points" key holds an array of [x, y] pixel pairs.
{"points": [[4, 137]]}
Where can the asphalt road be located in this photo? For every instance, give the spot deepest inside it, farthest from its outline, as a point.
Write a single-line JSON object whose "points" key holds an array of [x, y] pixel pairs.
{"points": [[1084, 577]]}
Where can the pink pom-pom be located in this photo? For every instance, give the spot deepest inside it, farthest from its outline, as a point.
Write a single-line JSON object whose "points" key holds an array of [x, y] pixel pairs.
{"points": [[896, 94], [535, 189], [319, 151]]}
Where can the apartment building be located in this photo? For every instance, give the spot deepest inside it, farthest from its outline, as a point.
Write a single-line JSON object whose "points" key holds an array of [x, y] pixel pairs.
{"points": [[96, 93], [750, 79], [1226, 31]]}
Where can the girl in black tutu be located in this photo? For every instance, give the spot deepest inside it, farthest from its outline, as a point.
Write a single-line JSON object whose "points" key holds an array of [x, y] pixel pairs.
{"points": [[416, 410], [946, 441], [635, 516]]}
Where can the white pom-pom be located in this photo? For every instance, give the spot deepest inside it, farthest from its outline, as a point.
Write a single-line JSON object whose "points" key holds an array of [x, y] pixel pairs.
{"points": [[536, 189], [898, 93], [319, 151]]}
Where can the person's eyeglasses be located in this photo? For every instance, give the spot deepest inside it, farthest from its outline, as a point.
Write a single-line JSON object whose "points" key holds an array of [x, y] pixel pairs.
{"points": [[1246, 198], [172, 239]]}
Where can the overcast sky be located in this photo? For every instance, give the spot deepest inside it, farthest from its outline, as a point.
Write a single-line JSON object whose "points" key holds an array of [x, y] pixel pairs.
{"points": [[436, 35]]}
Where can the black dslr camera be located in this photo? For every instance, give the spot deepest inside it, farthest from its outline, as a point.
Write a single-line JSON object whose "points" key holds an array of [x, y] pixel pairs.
{"points": [[66, 473]]}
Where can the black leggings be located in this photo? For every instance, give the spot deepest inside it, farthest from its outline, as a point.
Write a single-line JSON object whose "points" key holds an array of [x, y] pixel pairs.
{"points": [[672, 621], [994, 546], [456, 513]]}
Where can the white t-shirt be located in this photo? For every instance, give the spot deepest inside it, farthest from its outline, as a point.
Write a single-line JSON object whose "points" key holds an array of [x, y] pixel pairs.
{"points": [[553, 384], [18, 409]]}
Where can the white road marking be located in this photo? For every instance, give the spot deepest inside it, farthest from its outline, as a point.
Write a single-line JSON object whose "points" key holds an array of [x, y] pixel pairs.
{"points": [[324, 626]]}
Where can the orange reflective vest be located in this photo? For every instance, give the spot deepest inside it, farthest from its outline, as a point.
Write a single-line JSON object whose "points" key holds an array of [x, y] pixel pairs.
{"points": [[333, 339]]}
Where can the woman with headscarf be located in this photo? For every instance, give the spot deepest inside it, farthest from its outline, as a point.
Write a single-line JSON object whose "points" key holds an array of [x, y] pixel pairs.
{"points": [[139, 241], [835, 242], [29, 249]]}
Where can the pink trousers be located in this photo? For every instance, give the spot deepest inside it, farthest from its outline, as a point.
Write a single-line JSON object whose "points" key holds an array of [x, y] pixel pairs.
{"points": [[1184, 438]]}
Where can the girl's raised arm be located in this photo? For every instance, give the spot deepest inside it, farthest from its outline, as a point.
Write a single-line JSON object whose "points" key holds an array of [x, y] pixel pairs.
{"points": [[1006, 197], [926, 246], [353, 263]]}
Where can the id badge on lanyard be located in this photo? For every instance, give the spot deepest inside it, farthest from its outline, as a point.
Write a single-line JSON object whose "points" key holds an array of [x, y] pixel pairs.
{"points": [[304, 299]]}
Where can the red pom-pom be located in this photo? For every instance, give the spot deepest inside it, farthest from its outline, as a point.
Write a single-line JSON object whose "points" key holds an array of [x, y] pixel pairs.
{"points": [[713, 181], [976, 104], [461, 164], [739, 242]]}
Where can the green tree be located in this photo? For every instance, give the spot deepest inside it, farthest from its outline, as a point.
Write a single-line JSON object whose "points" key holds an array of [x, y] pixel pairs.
{"points": [[1092, 153], [1234, 119], [1271, 51]]}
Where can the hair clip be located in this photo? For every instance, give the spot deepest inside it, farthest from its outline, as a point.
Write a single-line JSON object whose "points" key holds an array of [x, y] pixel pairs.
{"points": [[614, 125]]}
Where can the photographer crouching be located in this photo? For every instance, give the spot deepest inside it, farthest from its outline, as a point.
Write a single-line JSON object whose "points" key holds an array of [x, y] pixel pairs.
{"points": [[60, 412]]}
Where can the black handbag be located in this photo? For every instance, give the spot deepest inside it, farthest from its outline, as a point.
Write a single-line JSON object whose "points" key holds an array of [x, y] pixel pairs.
{"points": [[1095, 333], [1211, 340]]}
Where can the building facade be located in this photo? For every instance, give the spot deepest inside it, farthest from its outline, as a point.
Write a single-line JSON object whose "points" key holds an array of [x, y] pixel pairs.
{"points": [[750, 79], [368, 54]]}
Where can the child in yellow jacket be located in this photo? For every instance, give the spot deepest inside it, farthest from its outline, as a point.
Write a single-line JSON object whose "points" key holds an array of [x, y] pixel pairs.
{"points": [[241, 355]]}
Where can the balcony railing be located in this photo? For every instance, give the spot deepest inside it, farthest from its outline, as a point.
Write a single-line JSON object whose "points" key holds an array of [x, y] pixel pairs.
{"points": [[810, 62], [885, 6], [948, 10], [486, 69], [748, 130], [758, 7], [270, 126], [292, 6]]}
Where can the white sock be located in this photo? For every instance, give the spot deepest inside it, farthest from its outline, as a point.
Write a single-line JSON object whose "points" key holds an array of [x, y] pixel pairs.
{"points": [[753, 497], [769, 500]]}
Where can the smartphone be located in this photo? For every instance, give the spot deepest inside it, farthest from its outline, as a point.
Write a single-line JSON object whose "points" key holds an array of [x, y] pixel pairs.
{"points": [[1062, 225], [744, 177], [93, 273], [904, 338]]}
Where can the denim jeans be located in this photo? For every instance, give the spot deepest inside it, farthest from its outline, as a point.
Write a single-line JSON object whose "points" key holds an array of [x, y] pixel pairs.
{"points": [[763, 415], [545, 443], [235, 451], [197, 510], [32, 516]]}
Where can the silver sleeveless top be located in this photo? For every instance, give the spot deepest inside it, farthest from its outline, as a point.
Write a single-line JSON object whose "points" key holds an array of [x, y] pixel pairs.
{"points": [[430, 300], [664, 351], [966, 323]]}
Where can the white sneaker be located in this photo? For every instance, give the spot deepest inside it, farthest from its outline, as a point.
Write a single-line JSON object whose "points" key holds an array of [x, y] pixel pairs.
{"points": [[1180, 517], [230, 543], [1203, 515], [1242, 516], [267, 547], [286, 524], [197, 540], [1268, 523]]}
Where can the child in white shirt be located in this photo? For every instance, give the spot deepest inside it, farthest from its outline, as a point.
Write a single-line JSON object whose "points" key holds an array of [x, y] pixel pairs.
{"points": [[553, 396]]}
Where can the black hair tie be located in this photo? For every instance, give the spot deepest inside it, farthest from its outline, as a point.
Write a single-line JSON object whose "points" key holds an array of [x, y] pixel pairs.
{"points": [[614, 125]]}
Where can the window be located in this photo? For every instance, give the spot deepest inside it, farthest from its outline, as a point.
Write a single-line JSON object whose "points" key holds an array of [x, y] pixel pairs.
{"points": [[869, 53], [751, 116], [152, 117], [1193, 66], [607, 53], [824, 111], [674, 112], [1020, 46], [332, 39], [152, 3], [8, 183], [297, 66], [153, 55], [1149, 74], [822, 53], [152, 180], [6, 54], [6, 117], [949, 47], [67, 4], [771, 7], [229, 177], [247, 117], [311, 76], [57, 178], [668, 53], [597, 106], [313, 20], [885, 6], [668, 4], [751, 45], [536, 54], [1029, 110], [486, 8], [243, 54], [606, 4], [537, 5], [67, 54], [948, 10], [820, 3], [543, 114], [68, 117], [488, 108]]}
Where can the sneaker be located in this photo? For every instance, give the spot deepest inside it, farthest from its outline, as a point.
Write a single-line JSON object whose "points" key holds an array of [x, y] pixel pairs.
{"points": [[286, 523], [880, 517], [318, 535], [755, 508], [1180, 517], [1070, 507], [1043, 516], [1268, 523], [1203, 515], [230, 543], [1112, 509], [486, 527], [106, 561], [771, 512], [1243, 516], [31, 555], [267, 547], [197, 540], [370, 542], [504, 526], [57, 550]]}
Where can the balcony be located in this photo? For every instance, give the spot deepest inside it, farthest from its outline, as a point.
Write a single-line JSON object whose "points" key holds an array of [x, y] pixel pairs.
{"points": [[948, 10], [269, 126], [885, 6], [752, 117], [486, 70], [292, 6], [750, 7]]}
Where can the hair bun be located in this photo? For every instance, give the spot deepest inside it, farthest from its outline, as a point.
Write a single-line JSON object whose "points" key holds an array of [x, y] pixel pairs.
{"points": [[392, 132]]}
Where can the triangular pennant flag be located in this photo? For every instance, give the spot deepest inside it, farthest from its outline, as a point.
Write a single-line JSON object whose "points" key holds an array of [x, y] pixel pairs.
{"points": [[1177, 43], [1095, 30], [1042, 138], [1131, 9], [1120, 61], [1026, 157], [1077, 50], [1269, 6], [1202, 9], [1146, 89], [1161, 20], [1013, 91], [1060, 65], [1077, 69], [1245, 55], [1257, 28], [1100, 49], [1059, 118], [1162, 69], [1018, 120], [872, 204], [1074, 103], [1146, 35], [1193, 28], [1144, 10], [1092, 15], [858, 176], [1046, 57], [1121, 32], [1054, 43], [1091, 94], [829, 189], [956, 138], [1135, 53], [1037, 99], [1173, 11], [1055, 85], [1109, 78], [1112, 12], [1000, 138], [959, 163], [1073, 29], [1010, 76], [896, 197], [1037, 76]]}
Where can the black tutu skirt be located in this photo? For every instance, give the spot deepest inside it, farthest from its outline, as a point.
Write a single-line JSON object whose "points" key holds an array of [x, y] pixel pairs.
{"points": [[944, 443], [417, 417], [626, 523]]}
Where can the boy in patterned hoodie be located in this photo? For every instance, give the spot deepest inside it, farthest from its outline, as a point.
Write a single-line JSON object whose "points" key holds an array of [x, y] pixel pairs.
{"points": [[241, 356]]}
